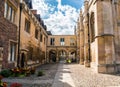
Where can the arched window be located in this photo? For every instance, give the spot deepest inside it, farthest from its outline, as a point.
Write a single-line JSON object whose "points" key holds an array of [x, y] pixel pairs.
{"points": [[92, 20]]}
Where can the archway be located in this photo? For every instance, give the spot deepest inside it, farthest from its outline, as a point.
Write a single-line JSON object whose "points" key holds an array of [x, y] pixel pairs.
{"points": [[62, 55], [72, 55], [52, 55]]}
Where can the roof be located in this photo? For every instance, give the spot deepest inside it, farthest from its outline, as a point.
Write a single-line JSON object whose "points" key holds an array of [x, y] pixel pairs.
{"points": [[29, 3]]}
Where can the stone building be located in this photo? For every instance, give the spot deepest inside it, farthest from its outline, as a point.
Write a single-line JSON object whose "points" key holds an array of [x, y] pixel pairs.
{"points": [[9, 24], [33, 36], [99, 26], [61, 47]]}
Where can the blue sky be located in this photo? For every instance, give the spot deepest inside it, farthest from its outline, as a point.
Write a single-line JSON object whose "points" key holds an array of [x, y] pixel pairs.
{"points": [[60, 16]]}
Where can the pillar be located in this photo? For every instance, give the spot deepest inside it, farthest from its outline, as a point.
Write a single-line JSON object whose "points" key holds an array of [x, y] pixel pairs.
{"points": [[81, 39], [86, 43], [104, 38]]}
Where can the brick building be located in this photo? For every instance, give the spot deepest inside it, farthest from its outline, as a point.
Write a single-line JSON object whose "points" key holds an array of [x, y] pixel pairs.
{"points": [[9, 12]]}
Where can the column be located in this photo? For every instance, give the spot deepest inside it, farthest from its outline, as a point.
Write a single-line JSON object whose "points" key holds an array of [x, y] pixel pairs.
{"points": [[81, 39], [86, 44]]}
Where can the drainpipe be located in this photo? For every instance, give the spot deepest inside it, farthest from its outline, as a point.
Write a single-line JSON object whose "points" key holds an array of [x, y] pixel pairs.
{"points": [[19, 36], [89, 59]]}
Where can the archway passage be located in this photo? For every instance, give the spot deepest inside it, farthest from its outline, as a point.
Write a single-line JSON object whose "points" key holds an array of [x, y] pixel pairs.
{"points": [[52, 55], [62, 55], [72, 56]]}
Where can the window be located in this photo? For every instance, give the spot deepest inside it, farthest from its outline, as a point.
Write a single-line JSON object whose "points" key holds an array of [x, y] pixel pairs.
{"points": [[6, 10], [62, 43], [41, 37], [9, 12], [12, 52], [92, 27], [27, 26], [72, 41], [52, 40], [36, 33]]}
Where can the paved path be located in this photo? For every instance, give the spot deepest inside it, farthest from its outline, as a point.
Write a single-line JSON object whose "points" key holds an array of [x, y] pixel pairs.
{"points": [[86, 77], [63, 77], [68, 75]]}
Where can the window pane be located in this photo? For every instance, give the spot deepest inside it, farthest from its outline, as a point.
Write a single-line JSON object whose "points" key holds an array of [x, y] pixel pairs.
{"points": [[5, 10], [13, 15], [36, 33], [9, 13], [27, 26], [12, 51]]}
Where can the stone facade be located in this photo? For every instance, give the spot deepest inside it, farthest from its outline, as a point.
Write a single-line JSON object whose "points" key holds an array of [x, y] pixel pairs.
{"points": [[33, 37], [61, 47], [99, 35]]}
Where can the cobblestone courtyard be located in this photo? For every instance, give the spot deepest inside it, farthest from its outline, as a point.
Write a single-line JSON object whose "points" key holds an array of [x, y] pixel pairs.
{"points": [[68, 75]]}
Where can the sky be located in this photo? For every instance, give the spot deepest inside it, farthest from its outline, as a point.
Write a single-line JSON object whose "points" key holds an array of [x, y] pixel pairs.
{"points": [[60, 16]]}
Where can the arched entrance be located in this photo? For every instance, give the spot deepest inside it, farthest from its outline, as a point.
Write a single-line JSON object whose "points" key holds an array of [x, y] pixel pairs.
{"points": [[62, 55], [52, 55], [22, 60], [72, 55]]}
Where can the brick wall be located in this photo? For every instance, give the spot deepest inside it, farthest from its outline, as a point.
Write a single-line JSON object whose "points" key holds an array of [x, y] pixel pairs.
{"points": [[8, 31]]}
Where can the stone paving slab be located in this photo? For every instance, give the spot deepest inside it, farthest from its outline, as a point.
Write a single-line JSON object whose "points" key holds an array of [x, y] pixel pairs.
{"points": [[63, 77]]}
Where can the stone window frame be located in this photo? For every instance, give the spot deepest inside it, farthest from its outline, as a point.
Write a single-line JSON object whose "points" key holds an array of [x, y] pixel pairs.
{"points": [[9, 11], [72, 42], [36, 33], [41, 37], [62, 41], [27, 25], [52, 41], [44, 40], [15, 51]]}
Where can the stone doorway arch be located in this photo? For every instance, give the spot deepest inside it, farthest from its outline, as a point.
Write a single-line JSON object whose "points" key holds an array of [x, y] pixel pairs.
{"points": [[52, 56], [72, 55]]}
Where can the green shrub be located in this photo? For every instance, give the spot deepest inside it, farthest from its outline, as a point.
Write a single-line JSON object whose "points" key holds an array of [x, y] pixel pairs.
{"points": [[5, 73], [40, 73]]}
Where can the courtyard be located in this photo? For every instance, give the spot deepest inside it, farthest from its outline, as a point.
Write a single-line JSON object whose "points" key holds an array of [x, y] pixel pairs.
{"points": [[66, 75]]}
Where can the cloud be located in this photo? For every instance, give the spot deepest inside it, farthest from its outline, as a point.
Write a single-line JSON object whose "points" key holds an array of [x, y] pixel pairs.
{"points": [[60, 19]]}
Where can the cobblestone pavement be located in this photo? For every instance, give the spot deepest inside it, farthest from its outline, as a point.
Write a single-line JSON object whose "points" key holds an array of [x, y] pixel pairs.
{"points": [[86, 77], [68, 75], [35, 81]]}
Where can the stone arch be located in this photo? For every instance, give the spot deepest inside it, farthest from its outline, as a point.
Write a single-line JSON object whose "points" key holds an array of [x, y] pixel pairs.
{"points": [[62, 54], [52, 55], [72, 55]]}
